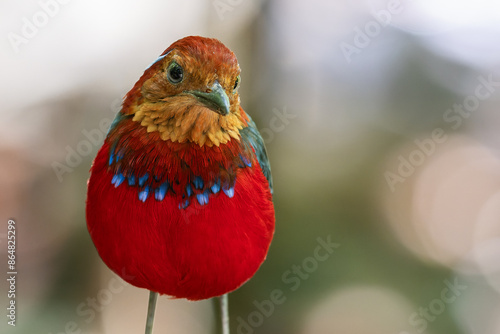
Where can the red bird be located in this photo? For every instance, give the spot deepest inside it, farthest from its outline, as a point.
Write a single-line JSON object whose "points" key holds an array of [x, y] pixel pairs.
{"points": [[180, 194]]}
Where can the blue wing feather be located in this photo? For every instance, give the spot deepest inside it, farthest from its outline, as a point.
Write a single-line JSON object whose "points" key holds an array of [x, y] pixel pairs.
{"points": [[252, 137]]}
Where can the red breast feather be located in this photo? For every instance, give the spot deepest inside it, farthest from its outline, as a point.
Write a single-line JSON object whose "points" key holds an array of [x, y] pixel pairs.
{"points": [[195, 253]]}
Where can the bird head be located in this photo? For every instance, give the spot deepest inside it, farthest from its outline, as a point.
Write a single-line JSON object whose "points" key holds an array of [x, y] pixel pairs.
{"points": [[190, 94]]}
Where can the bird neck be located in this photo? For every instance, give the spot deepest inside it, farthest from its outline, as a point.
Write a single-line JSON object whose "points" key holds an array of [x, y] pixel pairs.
{"points": [[137, 154], [179, 120]]}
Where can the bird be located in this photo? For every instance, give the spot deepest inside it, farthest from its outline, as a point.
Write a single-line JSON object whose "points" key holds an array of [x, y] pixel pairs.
{"points": [[180, 195]]}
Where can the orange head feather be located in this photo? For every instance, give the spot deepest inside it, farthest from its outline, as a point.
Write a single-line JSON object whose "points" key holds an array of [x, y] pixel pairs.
{"points": [[190, 94]]}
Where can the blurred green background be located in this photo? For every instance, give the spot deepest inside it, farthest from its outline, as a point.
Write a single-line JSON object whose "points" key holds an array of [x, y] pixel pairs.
{"points": [[381, 120]]}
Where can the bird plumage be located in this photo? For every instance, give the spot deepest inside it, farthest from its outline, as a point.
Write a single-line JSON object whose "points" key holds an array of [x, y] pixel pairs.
{"points": [[179, 196]]}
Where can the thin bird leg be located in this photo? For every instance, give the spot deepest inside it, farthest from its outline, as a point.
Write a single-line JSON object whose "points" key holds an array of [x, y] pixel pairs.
{"points": [[151, 311], [224, 311]]}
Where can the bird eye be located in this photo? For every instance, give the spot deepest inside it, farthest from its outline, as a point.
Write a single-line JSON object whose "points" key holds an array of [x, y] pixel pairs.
{"points": [[175, 73], [237, 83]]}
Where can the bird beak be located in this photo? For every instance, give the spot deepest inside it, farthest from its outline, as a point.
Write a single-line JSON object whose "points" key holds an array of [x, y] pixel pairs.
{"points": [[215, 99]]}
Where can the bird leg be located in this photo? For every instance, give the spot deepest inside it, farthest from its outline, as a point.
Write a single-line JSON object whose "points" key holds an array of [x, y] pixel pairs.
{"points": [[151, 311], [224, 310]]}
